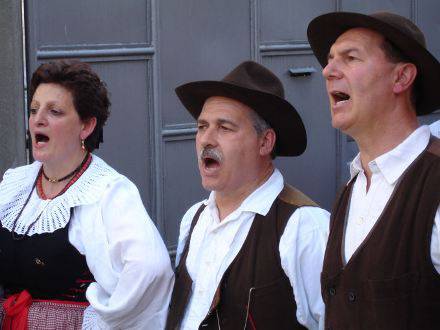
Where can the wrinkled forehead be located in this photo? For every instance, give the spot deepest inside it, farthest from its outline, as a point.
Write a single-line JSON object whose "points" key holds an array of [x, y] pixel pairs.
{"points": [[224, 106], [359, 38]]}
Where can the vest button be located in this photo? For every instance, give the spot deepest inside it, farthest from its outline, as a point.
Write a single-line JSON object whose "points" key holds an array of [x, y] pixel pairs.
{"points": [[351, 296], [39, 262], [332, 291]]}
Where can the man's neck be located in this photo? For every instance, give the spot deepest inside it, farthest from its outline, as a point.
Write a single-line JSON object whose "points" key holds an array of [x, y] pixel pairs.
{"points": [[381, 139], [228, 202]]}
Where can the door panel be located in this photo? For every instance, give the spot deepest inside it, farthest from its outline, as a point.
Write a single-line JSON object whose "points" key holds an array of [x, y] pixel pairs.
{"points": [[309, 172], [199, 40], [287, 20], [90, 22], [401, 7]]}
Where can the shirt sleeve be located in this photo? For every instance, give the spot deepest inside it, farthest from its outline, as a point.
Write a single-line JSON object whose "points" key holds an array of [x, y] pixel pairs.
{"points": [[435, 241], [302, 248], [185, 226], [128, 260]]}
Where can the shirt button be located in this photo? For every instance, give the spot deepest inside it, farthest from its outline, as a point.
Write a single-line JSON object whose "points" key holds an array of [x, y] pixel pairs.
{"points": [[39, 262], [332, 291], [351, 296]]}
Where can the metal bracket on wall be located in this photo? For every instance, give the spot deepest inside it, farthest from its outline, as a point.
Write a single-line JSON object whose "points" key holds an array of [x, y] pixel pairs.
{"points": [[301, 72]]}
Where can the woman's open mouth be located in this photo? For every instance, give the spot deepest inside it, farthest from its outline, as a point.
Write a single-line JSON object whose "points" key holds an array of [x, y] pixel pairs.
{"points": [[41, 138]]}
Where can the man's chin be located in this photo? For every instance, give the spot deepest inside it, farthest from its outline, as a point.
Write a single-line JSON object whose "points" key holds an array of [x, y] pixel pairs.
{"points": [[209, 184], [339, 123]]}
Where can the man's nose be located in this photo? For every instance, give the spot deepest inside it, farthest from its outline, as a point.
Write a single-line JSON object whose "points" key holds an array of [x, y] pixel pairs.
{"points": [[207, 137], [331, 70]]}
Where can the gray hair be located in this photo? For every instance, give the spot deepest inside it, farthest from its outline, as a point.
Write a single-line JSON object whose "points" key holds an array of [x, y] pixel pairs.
{"points": [[259, 123], [261, 126]]}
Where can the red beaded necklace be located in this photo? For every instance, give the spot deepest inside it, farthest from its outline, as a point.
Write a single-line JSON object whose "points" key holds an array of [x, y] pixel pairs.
{"points": [[84, 165]]}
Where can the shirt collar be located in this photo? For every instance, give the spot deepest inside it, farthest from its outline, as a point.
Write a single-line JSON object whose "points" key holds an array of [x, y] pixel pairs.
{"points": [[260, 200], [393, 163]]}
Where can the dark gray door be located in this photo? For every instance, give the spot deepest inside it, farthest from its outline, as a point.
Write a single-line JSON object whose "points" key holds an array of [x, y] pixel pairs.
{"points": [[144, 49]]}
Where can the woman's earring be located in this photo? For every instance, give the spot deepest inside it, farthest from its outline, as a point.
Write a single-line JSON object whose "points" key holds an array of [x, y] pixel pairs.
{"points": [[83, 147]]}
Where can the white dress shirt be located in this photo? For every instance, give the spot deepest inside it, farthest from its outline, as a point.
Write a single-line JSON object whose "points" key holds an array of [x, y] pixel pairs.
{"points": [[366, 207], [110, 226], [435, 128], [214, 245]]}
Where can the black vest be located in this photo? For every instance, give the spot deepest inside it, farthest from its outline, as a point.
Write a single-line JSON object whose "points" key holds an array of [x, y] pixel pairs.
{"points": [[254, 291], [46, 265], [390, 281]]}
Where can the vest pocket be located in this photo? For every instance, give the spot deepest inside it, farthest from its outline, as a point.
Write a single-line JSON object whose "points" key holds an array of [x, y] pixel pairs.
{"points": [[267, 305], [391, 300]]}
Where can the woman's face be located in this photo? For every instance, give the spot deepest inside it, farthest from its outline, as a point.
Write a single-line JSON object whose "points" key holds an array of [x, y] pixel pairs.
{"points": [[55, 126]]}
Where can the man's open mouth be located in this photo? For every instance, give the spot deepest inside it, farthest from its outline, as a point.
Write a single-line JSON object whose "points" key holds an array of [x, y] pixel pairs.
{"points": [[210, 162], [339, 97], [211, 158]]}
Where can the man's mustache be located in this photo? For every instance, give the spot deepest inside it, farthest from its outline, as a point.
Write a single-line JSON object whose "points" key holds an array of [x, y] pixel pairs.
{"points": [[210, 153]]}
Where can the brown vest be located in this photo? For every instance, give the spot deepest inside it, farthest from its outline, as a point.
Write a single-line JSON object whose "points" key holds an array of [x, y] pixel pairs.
{"points": [[390, 281], [254, 292]]}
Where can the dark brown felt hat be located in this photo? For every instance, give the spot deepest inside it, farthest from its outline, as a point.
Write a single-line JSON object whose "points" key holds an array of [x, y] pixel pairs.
{"points": [[400, 31], [257, 87]]}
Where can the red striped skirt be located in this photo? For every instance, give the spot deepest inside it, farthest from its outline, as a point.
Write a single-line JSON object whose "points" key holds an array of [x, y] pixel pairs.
{"points": [[47, 315]]}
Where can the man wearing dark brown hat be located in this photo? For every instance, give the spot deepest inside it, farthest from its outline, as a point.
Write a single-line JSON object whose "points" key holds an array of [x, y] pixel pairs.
{"points": [[249, 256], [382, 262]]}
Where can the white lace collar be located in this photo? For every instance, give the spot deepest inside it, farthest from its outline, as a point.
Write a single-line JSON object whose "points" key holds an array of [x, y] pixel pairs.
{"points": [[17, 184]]}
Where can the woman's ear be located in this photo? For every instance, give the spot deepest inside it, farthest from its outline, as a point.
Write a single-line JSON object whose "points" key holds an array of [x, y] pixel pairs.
{"points": [[88, 127]]}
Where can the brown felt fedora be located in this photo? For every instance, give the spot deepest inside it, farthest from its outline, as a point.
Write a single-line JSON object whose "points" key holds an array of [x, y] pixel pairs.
{"points": [[400, 31], [257, 87]]}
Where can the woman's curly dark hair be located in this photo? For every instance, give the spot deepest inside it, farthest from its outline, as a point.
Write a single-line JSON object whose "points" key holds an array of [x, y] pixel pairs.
{"points": [[90, 96]]}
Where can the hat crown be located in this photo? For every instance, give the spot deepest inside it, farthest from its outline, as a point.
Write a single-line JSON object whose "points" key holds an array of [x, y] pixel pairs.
{"points": [[254, 76], [403, 24]]}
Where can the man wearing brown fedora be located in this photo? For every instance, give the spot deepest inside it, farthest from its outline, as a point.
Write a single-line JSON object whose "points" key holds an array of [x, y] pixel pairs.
{"points": [[249, 256], [382, 262]]}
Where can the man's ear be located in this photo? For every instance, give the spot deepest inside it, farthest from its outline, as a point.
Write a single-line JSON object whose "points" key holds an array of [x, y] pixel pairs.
{"points": [[405, 74], [267, 142], [88, 127]]}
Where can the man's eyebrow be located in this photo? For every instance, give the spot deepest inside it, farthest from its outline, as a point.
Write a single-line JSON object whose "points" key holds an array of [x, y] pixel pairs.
{"points": [[343, 52], [222, 121]]}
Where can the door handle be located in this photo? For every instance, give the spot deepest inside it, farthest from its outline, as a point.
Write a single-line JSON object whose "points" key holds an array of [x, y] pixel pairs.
{"points": [[301, 72]]}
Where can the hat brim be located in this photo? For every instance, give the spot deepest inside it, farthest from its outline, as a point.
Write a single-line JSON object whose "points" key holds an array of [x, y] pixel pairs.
{"points": [[325, 29], [291, 138]]}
